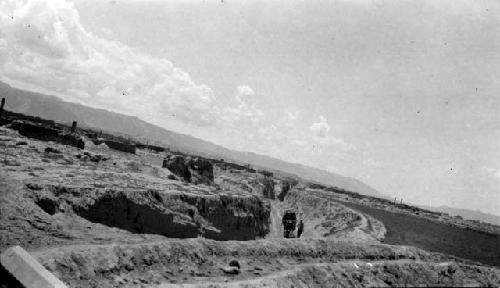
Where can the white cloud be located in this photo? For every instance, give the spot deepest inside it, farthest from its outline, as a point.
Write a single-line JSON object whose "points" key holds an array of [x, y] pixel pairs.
{"points": [[44, 44], [245, 112], [488, 170], [491, 172], [321, 128], [321, 131], [340, 143], [289, 117], [243, 93], [373, 163], [497, 174]]}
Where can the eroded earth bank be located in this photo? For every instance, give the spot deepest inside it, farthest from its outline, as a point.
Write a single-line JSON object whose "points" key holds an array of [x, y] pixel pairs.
{"points": [[147, 217]]}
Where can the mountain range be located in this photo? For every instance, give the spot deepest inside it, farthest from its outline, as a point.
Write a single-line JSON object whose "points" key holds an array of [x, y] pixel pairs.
{"points": [[54, 108], [466, 214]]}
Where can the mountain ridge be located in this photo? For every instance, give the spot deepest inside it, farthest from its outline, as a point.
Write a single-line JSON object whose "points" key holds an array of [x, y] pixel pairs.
{"points": [[466, 213]]}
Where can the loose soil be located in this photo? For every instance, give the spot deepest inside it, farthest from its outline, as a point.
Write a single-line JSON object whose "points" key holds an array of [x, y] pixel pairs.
{"points": [[116, 219]]}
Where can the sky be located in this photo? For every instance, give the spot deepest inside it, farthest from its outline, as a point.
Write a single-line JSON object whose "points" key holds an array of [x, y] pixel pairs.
{"points": [[402, 95]]}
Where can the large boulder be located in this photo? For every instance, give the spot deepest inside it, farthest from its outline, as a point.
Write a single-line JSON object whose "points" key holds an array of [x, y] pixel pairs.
{"points": [[176, 164], [192, 169], [202, 171]]}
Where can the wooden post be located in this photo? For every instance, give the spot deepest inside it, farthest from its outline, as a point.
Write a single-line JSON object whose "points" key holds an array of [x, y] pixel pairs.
{"points": [[1, 106]]}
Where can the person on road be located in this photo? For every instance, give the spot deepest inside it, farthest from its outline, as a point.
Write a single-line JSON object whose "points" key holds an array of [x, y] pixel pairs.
{"points": [[300, 229]]}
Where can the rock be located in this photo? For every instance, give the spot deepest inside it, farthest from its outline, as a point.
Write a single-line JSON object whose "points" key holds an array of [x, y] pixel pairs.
{"points": [[21, 143], [230, 270], [97, 158], [80, 144], [52, 150], [177, 165], [48, 204], [202, 170], [194, 170], [235, 263]]}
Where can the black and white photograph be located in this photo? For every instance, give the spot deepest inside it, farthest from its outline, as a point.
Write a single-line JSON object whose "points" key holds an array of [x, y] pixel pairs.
{"points": [[249, 143]]}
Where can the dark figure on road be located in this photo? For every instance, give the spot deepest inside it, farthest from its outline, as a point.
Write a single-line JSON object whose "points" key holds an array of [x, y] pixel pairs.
{"points": [[289, 221], [300, 229]]}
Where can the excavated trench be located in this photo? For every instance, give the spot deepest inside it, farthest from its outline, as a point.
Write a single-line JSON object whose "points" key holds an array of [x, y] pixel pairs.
{"points": [[121, 212], [175, 214], [171, 214]]}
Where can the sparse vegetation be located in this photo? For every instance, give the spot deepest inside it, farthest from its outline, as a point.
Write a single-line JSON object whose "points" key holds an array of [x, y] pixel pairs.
{"points": [[130, 209]]}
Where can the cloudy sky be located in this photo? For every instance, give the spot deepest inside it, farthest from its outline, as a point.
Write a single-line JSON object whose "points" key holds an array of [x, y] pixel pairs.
{"points": [[403, 95]]}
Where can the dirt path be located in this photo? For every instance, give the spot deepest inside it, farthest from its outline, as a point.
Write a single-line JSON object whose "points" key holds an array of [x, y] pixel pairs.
{"points": [[200, 260], [276, 230], [411, 230], [326, 218], [353, 273]]}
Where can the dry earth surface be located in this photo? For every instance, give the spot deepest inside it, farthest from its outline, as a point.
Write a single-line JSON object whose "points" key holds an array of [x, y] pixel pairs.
{"points": [[98, 217]]}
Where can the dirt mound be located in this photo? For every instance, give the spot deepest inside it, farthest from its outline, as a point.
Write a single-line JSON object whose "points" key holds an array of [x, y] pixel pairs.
{"points": [[282, 262]]}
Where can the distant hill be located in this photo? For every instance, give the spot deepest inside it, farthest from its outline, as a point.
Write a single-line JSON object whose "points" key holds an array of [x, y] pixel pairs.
{"points": [[54, 108], [467, 214]]}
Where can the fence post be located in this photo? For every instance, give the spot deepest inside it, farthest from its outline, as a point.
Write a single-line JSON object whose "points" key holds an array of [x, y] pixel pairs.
{"points": [[1, 106]]}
